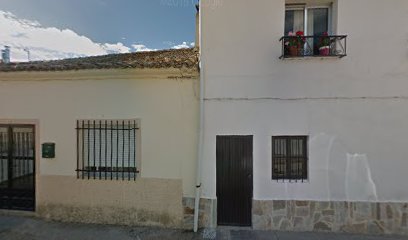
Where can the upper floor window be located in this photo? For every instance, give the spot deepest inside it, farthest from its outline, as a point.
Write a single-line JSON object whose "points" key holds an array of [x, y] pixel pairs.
{"points": [[308, 32], [311, 21]]}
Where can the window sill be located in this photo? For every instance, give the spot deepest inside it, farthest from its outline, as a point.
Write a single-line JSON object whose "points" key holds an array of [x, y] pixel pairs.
{"points": [[311, 57], [305, 181], [108, 175]]}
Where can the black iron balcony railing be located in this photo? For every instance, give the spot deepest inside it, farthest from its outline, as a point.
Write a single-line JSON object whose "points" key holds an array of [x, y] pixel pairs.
{"points": [[314, 46]]}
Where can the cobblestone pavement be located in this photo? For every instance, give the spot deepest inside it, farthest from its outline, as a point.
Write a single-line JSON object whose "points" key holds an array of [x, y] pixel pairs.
{"points": [[27, 228]]}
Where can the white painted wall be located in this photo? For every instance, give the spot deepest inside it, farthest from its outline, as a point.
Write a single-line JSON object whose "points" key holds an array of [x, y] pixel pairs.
{"points": [[167, 109], [354, 109]]}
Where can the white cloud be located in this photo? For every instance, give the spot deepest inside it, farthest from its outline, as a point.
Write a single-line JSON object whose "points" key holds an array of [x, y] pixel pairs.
{"points": [[142, 48], [115, 48], [183, 45], [168, 43], [48, 43]]}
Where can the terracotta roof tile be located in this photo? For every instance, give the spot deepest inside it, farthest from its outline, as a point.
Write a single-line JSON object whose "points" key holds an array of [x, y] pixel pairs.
{"points": [[180, 58]]}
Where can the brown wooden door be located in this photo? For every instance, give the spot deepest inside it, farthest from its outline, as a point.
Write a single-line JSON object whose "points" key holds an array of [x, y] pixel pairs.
{"points": [[234, 180]]}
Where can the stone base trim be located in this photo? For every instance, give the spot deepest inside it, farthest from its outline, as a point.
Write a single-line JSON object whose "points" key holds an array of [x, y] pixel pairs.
{"points": [[350, 217]]}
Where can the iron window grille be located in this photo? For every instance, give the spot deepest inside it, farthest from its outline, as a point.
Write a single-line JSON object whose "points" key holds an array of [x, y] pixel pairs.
{"points": [[289, 158], [335, 46], [106, 149]]}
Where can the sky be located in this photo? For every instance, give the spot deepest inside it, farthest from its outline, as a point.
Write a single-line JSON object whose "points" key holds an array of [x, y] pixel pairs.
{"points": [[55, 29]]}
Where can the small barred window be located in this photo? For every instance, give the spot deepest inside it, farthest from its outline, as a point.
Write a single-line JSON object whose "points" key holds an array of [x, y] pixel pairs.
{"points": [[106, 149], [289, 158]]}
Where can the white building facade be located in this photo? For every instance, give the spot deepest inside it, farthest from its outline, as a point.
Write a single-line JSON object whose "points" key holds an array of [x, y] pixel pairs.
{"points": [[107, 145], [319, 138]]}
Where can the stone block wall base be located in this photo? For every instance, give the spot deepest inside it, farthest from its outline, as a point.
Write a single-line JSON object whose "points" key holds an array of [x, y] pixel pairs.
{"points": [[351, 217]]}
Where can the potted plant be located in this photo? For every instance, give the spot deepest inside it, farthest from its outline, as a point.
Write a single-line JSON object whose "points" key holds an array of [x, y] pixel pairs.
{"points": [[295, 43], [324, 44]]}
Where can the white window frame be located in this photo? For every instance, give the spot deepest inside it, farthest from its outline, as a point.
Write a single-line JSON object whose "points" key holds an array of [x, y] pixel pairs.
{"points": [[306, 7]]}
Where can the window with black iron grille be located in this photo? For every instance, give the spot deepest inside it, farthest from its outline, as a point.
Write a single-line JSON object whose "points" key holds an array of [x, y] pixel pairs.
{"points": [[289, 158], [106, 149]]}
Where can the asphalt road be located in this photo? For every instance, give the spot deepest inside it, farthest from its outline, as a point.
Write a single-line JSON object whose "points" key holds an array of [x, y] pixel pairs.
{"points": [[28, 228]]}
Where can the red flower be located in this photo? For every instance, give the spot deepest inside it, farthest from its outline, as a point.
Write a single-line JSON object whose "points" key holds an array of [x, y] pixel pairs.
{"points": [[295, 39], [300, 33]]}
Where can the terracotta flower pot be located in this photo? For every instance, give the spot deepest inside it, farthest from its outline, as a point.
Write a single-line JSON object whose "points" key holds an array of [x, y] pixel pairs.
{"points": [[324, 51], [294, 51]]}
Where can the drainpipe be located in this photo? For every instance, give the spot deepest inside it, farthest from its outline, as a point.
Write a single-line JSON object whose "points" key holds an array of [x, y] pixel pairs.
{"points": [[201, 128]]}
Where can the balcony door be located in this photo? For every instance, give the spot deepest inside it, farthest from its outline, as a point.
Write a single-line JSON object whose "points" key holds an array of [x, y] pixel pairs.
{"points": [[312, 20]]}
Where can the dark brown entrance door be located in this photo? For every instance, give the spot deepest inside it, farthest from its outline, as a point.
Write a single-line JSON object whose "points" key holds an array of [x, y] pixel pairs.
{"points": [[17, 167], [234, 180]]}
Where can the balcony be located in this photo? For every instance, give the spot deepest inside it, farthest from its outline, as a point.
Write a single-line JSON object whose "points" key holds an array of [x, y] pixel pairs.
{"points": [[325, 46]]}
